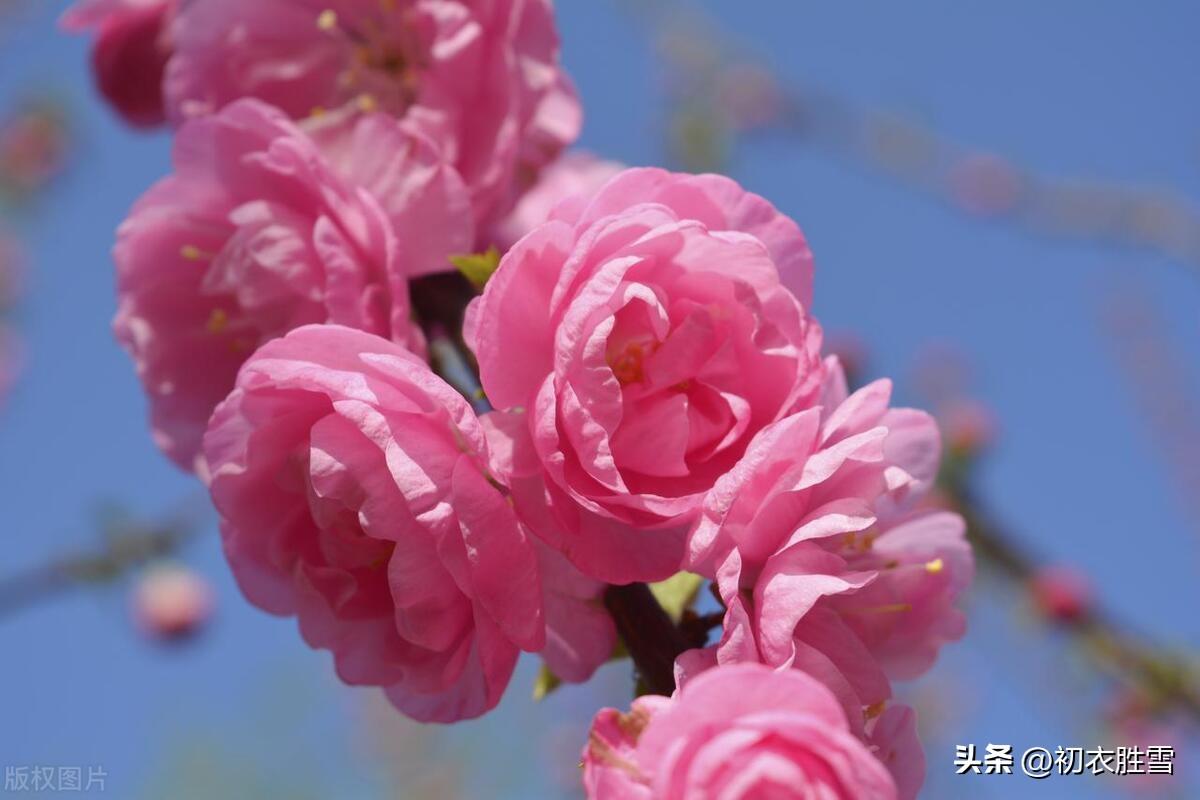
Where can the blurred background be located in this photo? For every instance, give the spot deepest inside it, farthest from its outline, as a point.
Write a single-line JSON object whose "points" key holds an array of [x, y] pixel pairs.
{"points": [[1002, 200]]}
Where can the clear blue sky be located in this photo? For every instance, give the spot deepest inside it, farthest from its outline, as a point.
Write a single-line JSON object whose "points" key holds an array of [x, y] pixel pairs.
{"points": [[1072, 88]]}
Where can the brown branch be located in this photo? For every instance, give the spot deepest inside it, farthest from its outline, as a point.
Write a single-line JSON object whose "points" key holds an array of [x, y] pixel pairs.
{"points": [[1168, 679], [130, 546], [651, 638]]}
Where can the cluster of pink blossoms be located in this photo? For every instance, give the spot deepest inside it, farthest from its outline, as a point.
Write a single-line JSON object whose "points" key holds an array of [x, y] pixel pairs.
{"points": [[658, 398]]}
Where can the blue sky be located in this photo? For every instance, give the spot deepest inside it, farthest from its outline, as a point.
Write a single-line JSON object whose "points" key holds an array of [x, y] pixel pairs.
{"points": [[1071, 88]]}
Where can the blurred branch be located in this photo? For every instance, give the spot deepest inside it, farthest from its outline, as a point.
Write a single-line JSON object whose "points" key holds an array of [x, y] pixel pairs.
{"points": [[1167, 680], [721, 94], [128, 544], [1157, 375]]}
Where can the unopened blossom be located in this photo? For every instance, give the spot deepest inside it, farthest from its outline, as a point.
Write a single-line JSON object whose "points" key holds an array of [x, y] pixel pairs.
{"points": [[132, 43], [572, 179], [639, 342], [482, 79], [354, 493], [33, 145], [817, 560], [171, 602], [967, 425], [1061, 594], [739, 733], [985, 184], [262, 227]]}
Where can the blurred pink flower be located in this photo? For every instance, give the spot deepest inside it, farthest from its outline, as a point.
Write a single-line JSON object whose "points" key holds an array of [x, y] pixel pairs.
{"points": [[354, 492], [749, 95], [637, 344], [483, 80], [743, 732], [172, 602], [33, 145], [817, 560], [967, 425], [130, 52], [264, 227], [574, 178], [985, 184], [1061, 593]]}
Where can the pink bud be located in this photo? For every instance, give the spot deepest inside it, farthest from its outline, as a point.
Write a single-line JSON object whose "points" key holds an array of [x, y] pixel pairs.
{"points": [[985, 185], [172, 603], [750, 95], [128, 58], [968, 426], [1061, 594]]}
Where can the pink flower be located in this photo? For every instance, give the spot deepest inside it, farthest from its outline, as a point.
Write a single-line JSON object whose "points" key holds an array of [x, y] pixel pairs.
{"points": [[818, 564], [481, 78], [740, 732], [639, 343], [262, 228], [574, 178], [33, 145], [354, 493], [172, 603], [130, 53]]}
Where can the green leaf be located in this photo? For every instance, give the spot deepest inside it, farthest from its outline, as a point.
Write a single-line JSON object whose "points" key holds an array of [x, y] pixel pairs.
{"points": [[677, 593], [478, 267], [545, 683]]}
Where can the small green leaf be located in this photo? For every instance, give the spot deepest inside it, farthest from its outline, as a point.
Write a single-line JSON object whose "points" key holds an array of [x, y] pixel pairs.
{"points": [[677, 593], [478, 267], [545, 683]]}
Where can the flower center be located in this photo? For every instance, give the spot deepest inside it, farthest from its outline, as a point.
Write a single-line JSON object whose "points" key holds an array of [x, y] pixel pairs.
{"points": [[382, 48], [627, 364]]}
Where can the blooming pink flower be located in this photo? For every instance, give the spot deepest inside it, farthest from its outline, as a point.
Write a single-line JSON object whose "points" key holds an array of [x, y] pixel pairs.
{"points": [[482, 78], [264, 227], [640, 342], [133, 43], [172, 603], [574, 178], [818, 565], [354, 493], [740, 732]]}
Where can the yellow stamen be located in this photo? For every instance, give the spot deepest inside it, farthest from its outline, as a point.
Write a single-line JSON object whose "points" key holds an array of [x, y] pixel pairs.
{"points": [[318, 111], [218, 321], [366, 103], [327, 20], [935, 566], [627, 367], [193, 253], [874, 710]]}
